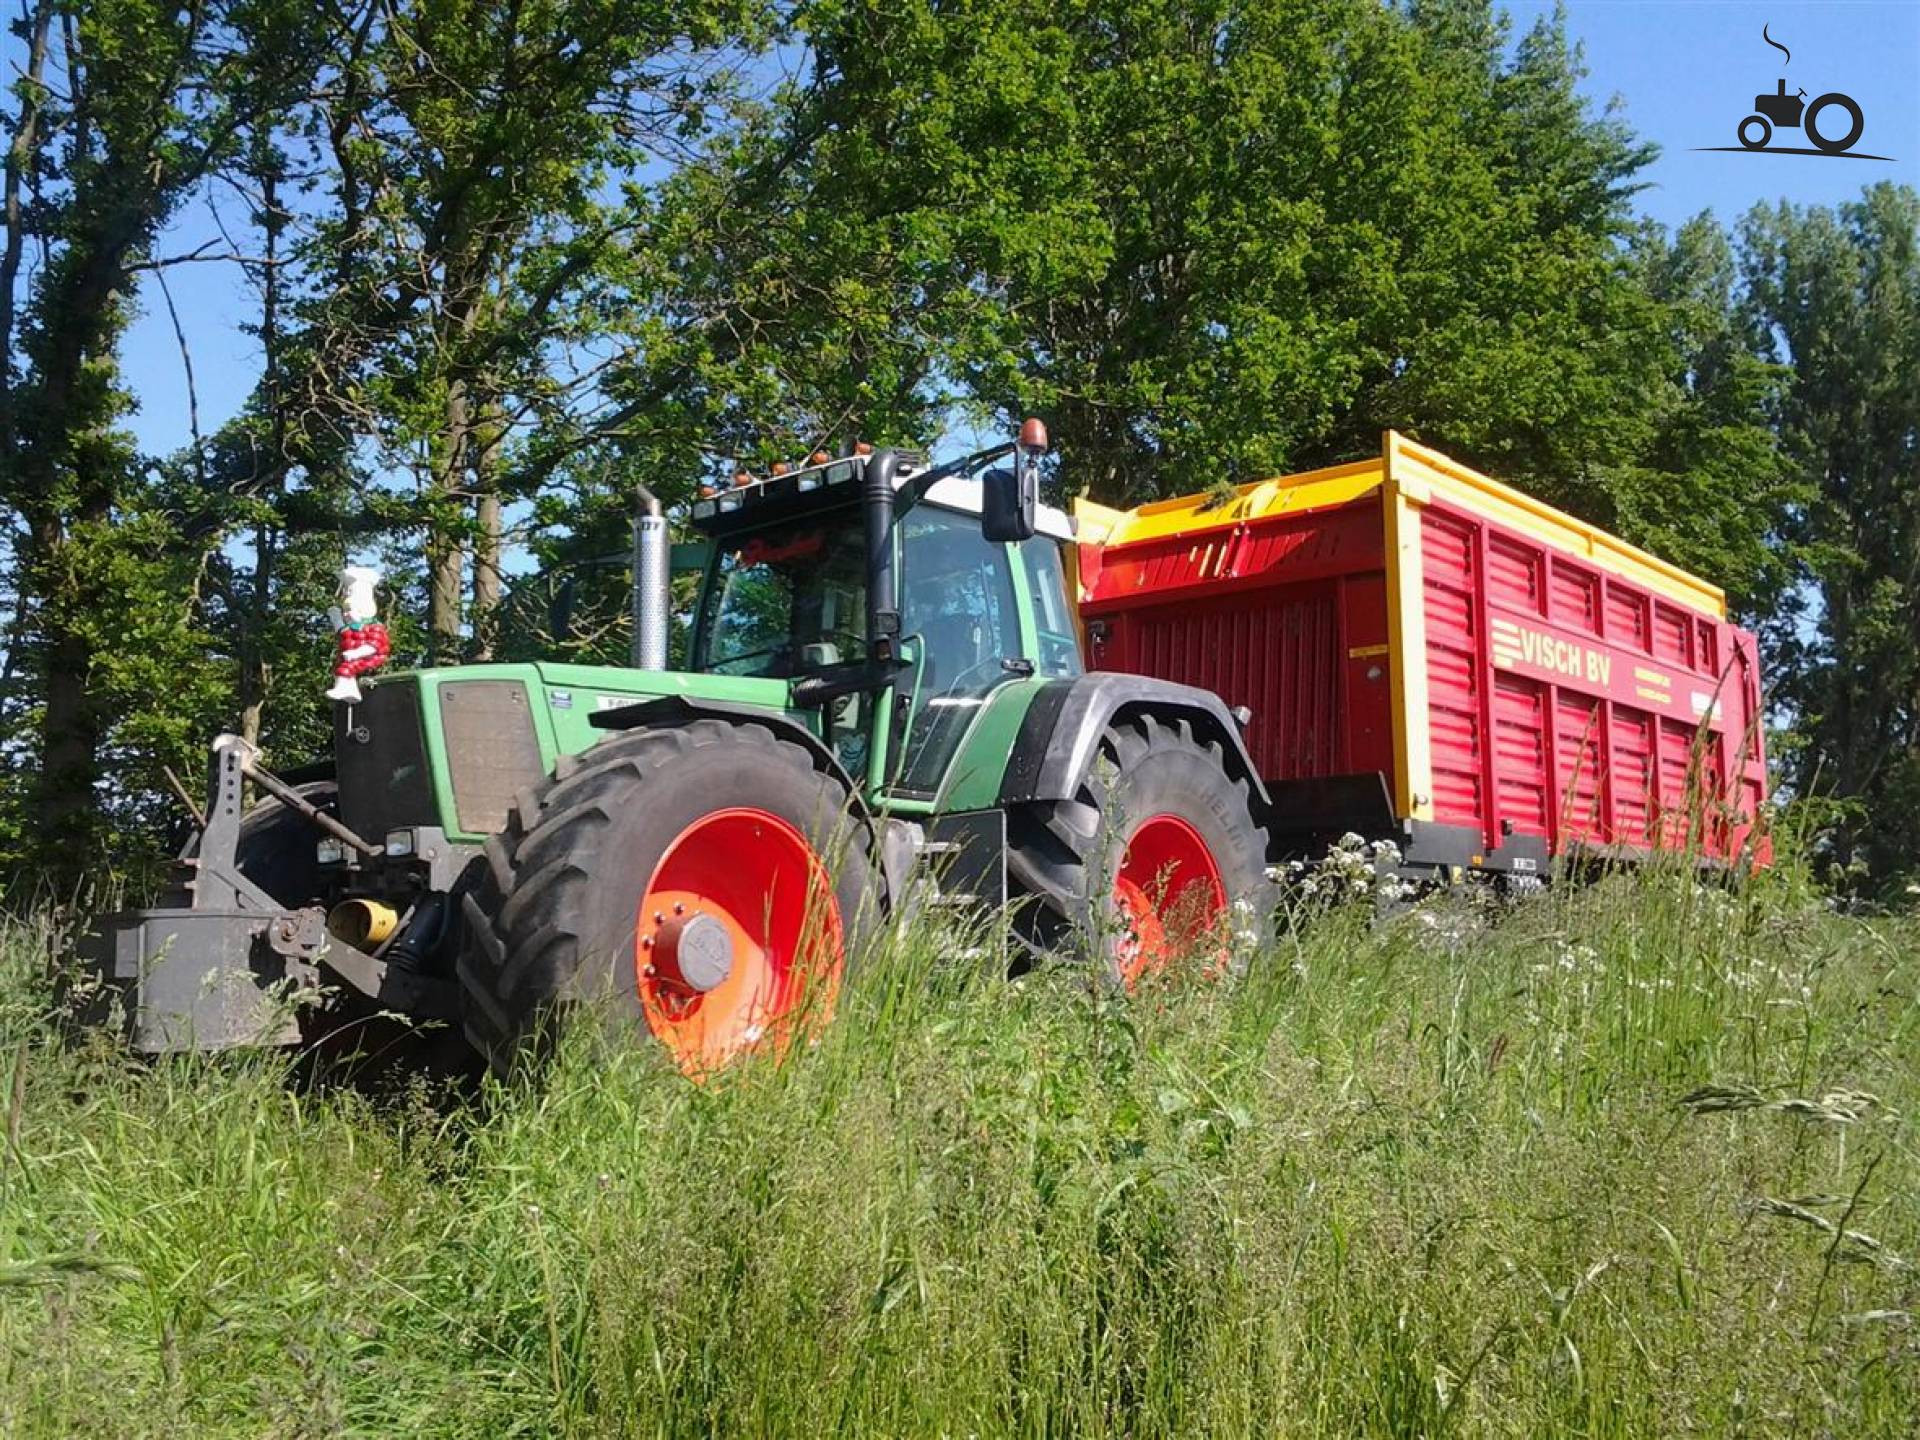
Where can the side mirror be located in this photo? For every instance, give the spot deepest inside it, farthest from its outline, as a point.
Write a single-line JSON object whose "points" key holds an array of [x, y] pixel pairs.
{"points": [[1008, 508], [1010, 499]]}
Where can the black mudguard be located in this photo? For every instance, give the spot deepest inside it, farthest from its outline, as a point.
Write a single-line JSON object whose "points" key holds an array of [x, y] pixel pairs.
{"points": [[671, 711], [1061, 734]]}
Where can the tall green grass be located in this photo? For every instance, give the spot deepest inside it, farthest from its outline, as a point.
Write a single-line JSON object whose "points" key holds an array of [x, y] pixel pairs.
{"points": [[1634, 1158]]}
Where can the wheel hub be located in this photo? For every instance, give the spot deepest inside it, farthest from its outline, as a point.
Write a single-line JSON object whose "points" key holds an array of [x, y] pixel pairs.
{"points": [[738, 939], [693, 952]]}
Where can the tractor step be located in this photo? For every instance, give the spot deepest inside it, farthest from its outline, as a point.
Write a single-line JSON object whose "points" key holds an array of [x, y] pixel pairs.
{"points": [[965, 854]]}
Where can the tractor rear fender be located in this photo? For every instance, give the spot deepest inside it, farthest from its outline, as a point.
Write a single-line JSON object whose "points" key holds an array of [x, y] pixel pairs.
{"points": [[670, 712], [1060, 735]]}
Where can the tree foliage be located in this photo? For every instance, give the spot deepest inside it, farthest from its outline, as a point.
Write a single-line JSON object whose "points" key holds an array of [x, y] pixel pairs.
{"points": [[1214, 241], [1835, 294], [474, 230], [125, 108]]}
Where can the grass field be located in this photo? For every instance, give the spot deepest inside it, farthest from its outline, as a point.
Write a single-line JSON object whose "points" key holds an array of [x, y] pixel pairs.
{"points": [[1631, 1159]]}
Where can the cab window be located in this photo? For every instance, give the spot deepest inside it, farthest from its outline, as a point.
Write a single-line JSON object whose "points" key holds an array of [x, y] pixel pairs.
{"points": [[787, 601], [959, 608], [1059, 655]]}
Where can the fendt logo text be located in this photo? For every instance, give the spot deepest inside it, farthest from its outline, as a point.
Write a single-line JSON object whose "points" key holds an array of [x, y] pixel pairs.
{"points": [[1833, 121]]}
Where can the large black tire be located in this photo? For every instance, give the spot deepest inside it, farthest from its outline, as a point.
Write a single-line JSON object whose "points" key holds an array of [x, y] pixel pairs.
{"points": [[1062, 855], [550, 923]]}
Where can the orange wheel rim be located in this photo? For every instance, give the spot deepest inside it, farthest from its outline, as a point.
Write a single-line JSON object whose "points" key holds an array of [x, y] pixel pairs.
{"points": [[1170, 895], [737, 939]]}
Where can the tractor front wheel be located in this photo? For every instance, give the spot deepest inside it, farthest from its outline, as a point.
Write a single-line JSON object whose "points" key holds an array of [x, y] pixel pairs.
{"points": [[704, 883]]}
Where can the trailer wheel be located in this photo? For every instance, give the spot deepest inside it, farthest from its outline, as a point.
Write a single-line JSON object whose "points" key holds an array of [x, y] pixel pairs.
{"points": [[1148, 861], [703, 883]]}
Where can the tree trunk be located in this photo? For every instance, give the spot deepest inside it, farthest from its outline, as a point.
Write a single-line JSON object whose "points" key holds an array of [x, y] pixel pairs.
{"points": [[71, 724], [446, 545], [67, 489], [20, 158], [487, 583], [486, 576], [266, 539]]}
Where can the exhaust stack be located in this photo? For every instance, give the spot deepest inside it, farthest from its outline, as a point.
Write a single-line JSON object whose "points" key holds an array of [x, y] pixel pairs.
{"points": [[652, 602]]}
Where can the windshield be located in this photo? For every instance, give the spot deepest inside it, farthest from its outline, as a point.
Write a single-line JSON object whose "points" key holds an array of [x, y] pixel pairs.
{"points": [[788, 600]]}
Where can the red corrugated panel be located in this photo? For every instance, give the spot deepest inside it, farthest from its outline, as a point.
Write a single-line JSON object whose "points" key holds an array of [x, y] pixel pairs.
{"points": [[1644, 700], [1677, 794], [1632, 775], [1277, 652], [1514, 575], [1521, 783], [1454, 670], [1151, 568], [1581, 770], [1716, 803], [1265, 614], [1626, 617], [1272, 549], [1341, 541], [1672, 634], [1576, 597]]}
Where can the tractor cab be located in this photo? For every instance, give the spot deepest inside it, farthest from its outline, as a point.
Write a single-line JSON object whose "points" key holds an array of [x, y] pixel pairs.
{"points": [[790, 593]]}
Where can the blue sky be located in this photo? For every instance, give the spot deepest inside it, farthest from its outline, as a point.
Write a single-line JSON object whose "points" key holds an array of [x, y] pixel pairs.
{"points": [[1685, 73]]}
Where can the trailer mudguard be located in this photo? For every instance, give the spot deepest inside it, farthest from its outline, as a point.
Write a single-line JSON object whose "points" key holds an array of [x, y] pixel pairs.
{"points": [[1060, 734]]}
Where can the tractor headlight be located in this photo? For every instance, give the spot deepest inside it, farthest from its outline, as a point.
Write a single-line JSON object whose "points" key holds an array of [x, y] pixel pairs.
{"points": [[329, 852], [399, 844]]}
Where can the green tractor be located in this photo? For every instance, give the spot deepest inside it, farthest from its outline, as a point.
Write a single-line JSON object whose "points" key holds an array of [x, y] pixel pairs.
{"points": [[883, 707]]}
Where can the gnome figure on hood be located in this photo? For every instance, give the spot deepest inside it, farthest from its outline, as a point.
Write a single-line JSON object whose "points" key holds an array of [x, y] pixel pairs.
{"points": [[362, 647]]}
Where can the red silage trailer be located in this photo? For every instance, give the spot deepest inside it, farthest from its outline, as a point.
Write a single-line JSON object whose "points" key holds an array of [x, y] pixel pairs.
{"points": [[1436, 658]]}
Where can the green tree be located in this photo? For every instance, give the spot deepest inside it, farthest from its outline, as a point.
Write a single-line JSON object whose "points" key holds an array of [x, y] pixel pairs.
{"points": [[484, 161], [1835, 293], [1217, 240], [1697, 475], [443, 196], [126, 107]]}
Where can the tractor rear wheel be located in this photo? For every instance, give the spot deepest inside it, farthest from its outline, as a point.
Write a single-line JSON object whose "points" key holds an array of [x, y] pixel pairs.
{"points": [[1156, 857], [704, 883]]}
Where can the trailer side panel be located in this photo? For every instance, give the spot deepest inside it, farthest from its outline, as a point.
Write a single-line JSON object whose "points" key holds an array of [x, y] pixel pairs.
{"points": [[1509, 681], [1285, 615], [1612, 724]]}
